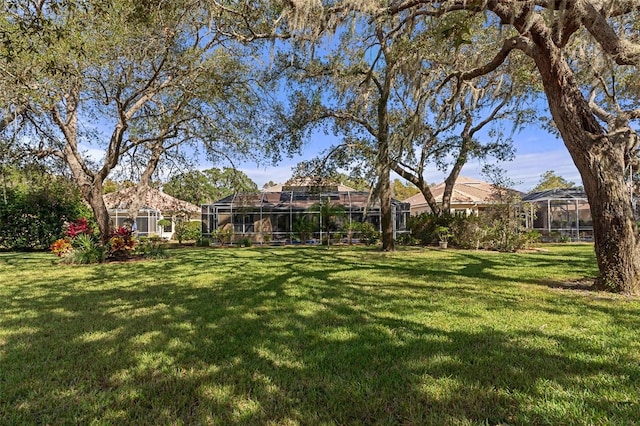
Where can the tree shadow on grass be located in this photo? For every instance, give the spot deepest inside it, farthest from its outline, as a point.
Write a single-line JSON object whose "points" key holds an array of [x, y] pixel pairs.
{"points": [[269, 338]]}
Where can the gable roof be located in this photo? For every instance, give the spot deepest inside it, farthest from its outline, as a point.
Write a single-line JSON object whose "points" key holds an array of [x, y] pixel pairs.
{"points": [[465, 191], [154, 200]]}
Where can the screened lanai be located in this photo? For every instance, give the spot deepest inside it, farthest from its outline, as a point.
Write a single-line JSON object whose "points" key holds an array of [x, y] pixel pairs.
{"points": [[271, 216], [560, 214]]}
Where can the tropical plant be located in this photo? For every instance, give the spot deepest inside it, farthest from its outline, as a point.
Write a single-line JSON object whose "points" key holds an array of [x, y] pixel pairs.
{"points": [[443, 233], [61, 247], [121, 243], [304, 228], [328, 212], [85, 250], [79, 227]]}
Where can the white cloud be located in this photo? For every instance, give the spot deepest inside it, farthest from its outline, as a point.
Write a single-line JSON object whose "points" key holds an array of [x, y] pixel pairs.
{"points": [[525, 170]]}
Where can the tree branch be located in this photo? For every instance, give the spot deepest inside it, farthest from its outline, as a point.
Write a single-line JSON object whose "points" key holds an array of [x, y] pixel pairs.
{"points": [[624, 52]]}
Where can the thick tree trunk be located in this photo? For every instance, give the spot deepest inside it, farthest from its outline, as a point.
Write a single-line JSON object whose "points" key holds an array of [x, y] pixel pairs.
{"points": [[93, 195], [91, 188], [384, 185], [614, 227], [383, 166], [600, 159], [450, 181]]}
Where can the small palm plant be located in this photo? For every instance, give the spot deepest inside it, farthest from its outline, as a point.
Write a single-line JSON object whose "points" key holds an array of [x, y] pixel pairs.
{"points": [[328, 211], [443, 233], [304, 228]]}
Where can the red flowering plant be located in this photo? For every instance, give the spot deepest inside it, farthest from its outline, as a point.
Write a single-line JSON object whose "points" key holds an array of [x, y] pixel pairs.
{"points": [[72, 231], [121, 242], [80, 226]]}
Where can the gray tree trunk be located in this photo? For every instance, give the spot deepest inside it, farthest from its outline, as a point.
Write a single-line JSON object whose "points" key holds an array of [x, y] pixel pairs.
{"points": [[600, 159]]}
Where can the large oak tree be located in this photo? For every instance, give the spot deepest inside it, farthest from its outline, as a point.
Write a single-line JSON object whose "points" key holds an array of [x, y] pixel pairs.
{"points": [[137, 79], [584, 52], [595, 125]]}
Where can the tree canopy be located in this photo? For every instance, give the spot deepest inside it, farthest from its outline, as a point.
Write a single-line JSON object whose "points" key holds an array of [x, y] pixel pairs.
{"points": [[201, 187], [137, 81], [550, 180]]}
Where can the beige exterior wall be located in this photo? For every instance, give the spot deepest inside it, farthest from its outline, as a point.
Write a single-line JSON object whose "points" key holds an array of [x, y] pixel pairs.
{"points": [[457, 208]]}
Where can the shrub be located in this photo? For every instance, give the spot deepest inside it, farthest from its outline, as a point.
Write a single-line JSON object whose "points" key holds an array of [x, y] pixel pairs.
{"points": [[406, 239], [224, 236], [186, 230], [367, 233], [244, 242], [468, 232], [152, 249], [121, 243], [424, 227], [86, 250], [203, 242], [498, 227], [32, 217], [79, 245]]}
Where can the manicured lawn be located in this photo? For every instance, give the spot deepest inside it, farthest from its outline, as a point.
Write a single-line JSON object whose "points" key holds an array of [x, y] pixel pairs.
{"points": [[307, 335]]}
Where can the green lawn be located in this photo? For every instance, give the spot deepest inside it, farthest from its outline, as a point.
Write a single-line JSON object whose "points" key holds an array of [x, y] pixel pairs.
{"points": [[306, 335]]}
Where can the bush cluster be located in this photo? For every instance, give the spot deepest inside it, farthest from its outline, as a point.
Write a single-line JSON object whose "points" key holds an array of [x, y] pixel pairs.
{"points": [[186, 230], [366, 232], [496, 228], [81, 245], [32, 217]]}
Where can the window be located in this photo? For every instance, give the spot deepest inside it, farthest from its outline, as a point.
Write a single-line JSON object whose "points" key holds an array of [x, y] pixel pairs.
{"points": [[242, 223]]}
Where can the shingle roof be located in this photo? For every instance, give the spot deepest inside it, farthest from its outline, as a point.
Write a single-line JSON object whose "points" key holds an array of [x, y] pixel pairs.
{"points": [[465, 191], [307, 183], [154, 199]]}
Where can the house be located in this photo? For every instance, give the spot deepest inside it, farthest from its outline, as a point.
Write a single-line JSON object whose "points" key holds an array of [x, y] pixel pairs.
{"points": [[274, 214], [156, 206], [469, 196]]}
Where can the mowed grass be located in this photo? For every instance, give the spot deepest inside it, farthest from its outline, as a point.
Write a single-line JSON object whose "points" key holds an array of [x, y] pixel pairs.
{"points": [[306, 335]]}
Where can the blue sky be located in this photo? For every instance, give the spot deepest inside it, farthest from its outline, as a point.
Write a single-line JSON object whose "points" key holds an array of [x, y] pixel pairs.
{"points": [[536, 152]]}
